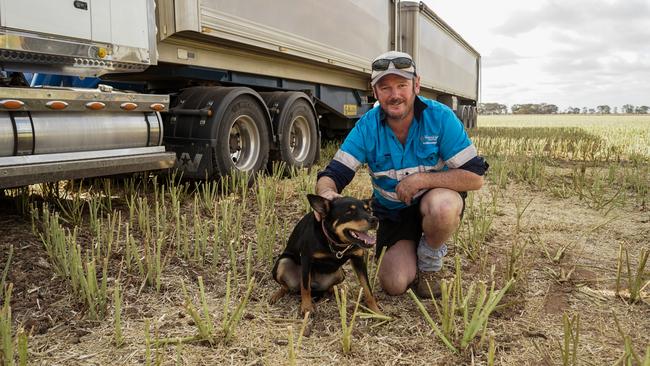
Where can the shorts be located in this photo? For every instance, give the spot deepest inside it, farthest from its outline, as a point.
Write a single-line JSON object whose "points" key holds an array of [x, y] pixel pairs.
{"points": [[406, 225]]}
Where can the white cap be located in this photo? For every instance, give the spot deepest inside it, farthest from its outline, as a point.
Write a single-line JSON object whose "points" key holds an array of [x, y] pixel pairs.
{"points": [[408, 73]]}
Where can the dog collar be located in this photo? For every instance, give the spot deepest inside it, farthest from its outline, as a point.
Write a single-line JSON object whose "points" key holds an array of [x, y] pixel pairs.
{"points": [[338, 253]]}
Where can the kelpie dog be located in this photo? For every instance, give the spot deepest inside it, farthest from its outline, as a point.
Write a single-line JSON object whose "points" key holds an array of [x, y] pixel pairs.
{"points": [[317, 250]]}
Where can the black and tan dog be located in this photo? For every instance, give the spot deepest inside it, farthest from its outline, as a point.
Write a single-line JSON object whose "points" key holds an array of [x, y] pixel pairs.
{"points": [[317, 250]]}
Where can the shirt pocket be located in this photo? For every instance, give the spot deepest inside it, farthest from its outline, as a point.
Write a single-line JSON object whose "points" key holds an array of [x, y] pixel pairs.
{"points": [[428, 156], [381, 164]]}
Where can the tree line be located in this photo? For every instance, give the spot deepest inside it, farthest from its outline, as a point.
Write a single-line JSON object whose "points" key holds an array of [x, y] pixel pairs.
{"points": [[544, 108]]}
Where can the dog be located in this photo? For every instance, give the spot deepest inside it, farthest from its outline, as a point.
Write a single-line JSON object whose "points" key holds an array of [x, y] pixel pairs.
{"points": [[316, 250]]}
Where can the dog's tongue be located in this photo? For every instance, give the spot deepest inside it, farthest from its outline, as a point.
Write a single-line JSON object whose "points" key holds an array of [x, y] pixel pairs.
{"points": [[365, 237]]}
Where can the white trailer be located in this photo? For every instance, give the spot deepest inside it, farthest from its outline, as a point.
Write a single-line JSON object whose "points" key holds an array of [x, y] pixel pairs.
{"points": [[222, 84]]}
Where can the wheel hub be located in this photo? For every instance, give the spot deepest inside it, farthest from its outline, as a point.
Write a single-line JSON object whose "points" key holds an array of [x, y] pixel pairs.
{"points": [[244, 143]]}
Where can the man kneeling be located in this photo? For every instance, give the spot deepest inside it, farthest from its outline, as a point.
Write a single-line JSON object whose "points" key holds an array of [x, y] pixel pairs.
{"points": [[421, 163]]}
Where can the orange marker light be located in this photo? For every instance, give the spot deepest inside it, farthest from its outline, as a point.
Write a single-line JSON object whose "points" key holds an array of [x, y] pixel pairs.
{"points": [[128, 106], [11, 103], [95, 106], [57, 105], [157, 107]]}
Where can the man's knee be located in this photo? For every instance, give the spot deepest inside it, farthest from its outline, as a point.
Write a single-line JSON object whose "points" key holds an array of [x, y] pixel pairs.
{"points": [[445, 205], [396, 283]]}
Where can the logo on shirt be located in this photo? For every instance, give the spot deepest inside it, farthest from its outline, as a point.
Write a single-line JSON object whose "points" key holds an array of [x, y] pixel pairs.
{"points": [[429, 140]]}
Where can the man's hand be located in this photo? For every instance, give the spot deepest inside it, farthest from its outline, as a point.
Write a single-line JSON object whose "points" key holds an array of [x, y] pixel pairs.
{"points": [[408, 187], [330, 194]]}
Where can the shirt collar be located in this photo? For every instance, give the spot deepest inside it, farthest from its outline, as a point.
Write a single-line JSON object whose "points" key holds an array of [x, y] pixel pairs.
{"points": [[418, 108]]}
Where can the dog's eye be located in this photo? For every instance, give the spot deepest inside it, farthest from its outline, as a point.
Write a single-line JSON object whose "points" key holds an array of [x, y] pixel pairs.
{"points": [[350, 211]]}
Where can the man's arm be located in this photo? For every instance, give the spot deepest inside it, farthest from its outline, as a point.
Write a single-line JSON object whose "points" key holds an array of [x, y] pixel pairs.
{"points": [[459, 180]]}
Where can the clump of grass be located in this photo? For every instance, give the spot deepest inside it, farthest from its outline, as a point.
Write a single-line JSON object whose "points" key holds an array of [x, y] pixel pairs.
{"points": [[66, 257], [231, 318], [475, 229], [118, 337], [267, 222], [131, 252], [346, 328], [5, 272], [8, 345], [306, 184], [228, 230], [72, 205], [95, 213], [201, 233], [636, 281], [475, 306], [630, 356], [521, 208], [294, 348], [514, 267], [374, 266], [492, 349], [6, 341], [204, 322], [236, 183], [267, 228], [154, 263], [208, 191], [431, 323], [569, 349], [147, 342]]}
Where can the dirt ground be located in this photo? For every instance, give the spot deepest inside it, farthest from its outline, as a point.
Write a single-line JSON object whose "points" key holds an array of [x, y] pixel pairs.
{"points": [[528, 331]]}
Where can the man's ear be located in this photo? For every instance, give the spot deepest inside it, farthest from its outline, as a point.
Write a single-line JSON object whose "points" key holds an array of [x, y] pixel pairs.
{"points": [[319, 204], [416, 85]]}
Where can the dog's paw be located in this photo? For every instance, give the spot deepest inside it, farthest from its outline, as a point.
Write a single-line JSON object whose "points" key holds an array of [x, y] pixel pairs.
{"points": [[307, 308], [277, 296], [375, 309]]}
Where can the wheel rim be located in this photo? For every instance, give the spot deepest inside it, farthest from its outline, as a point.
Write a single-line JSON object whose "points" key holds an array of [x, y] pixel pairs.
{"points": [[244, 143], [299, 138]]}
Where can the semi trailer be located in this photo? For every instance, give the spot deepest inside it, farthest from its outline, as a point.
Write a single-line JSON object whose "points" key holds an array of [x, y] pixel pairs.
{"points": [[206, 86]]}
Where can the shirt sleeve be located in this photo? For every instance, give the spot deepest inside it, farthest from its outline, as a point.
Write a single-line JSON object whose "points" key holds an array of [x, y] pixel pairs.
{"points": [[456, 149], [476, 165], [348, 159]]}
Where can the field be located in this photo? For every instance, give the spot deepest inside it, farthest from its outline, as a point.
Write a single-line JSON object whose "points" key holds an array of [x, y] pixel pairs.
{"points": [[549, 266]]}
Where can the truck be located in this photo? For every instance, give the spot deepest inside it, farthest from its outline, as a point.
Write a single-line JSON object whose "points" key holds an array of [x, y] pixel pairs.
{"points": [[205, 86]]}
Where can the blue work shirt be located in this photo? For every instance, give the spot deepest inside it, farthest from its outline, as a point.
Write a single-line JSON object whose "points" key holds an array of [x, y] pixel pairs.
{"points": [[436, 141]]}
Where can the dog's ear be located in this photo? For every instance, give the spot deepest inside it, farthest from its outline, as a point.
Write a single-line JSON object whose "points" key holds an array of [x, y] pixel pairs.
{"points": [[369, 201], [319, 204]]}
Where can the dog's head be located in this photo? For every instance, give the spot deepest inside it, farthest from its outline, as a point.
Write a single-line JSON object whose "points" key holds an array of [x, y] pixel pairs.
{"points": [[348, 218]]}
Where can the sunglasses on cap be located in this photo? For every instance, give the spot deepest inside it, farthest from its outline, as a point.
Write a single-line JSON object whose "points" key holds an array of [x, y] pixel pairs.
{"points": [[398, 62]]}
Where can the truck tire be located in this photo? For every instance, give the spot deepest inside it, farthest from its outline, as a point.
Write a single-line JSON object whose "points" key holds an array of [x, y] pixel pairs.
{"points": [[470, 117], [242, 134], [474, 118], [464, 114], [298, 135]]}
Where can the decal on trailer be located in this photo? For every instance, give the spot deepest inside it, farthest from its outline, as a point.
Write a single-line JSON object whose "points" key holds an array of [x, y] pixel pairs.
{"points": [[188, 164]]}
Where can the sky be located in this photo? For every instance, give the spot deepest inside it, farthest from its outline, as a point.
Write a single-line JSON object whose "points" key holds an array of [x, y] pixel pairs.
{"points": [[579, 53]]}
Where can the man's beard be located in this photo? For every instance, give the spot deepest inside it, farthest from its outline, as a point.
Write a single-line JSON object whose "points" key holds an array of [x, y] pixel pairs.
{"points": [[400, 116]]}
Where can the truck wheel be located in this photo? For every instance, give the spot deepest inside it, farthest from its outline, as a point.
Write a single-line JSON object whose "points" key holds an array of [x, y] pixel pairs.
{"points": [[474, 118], [298, 143], [242, 135], [464, 114]]}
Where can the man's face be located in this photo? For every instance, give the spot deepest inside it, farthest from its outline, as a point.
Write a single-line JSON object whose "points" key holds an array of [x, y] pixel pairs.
{"points": [[396, 95]]}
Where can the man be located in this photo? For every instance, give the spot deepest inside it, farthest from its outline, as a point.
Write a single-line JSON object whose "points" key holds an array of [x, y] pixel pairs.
{"points": [[421, 163]]}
